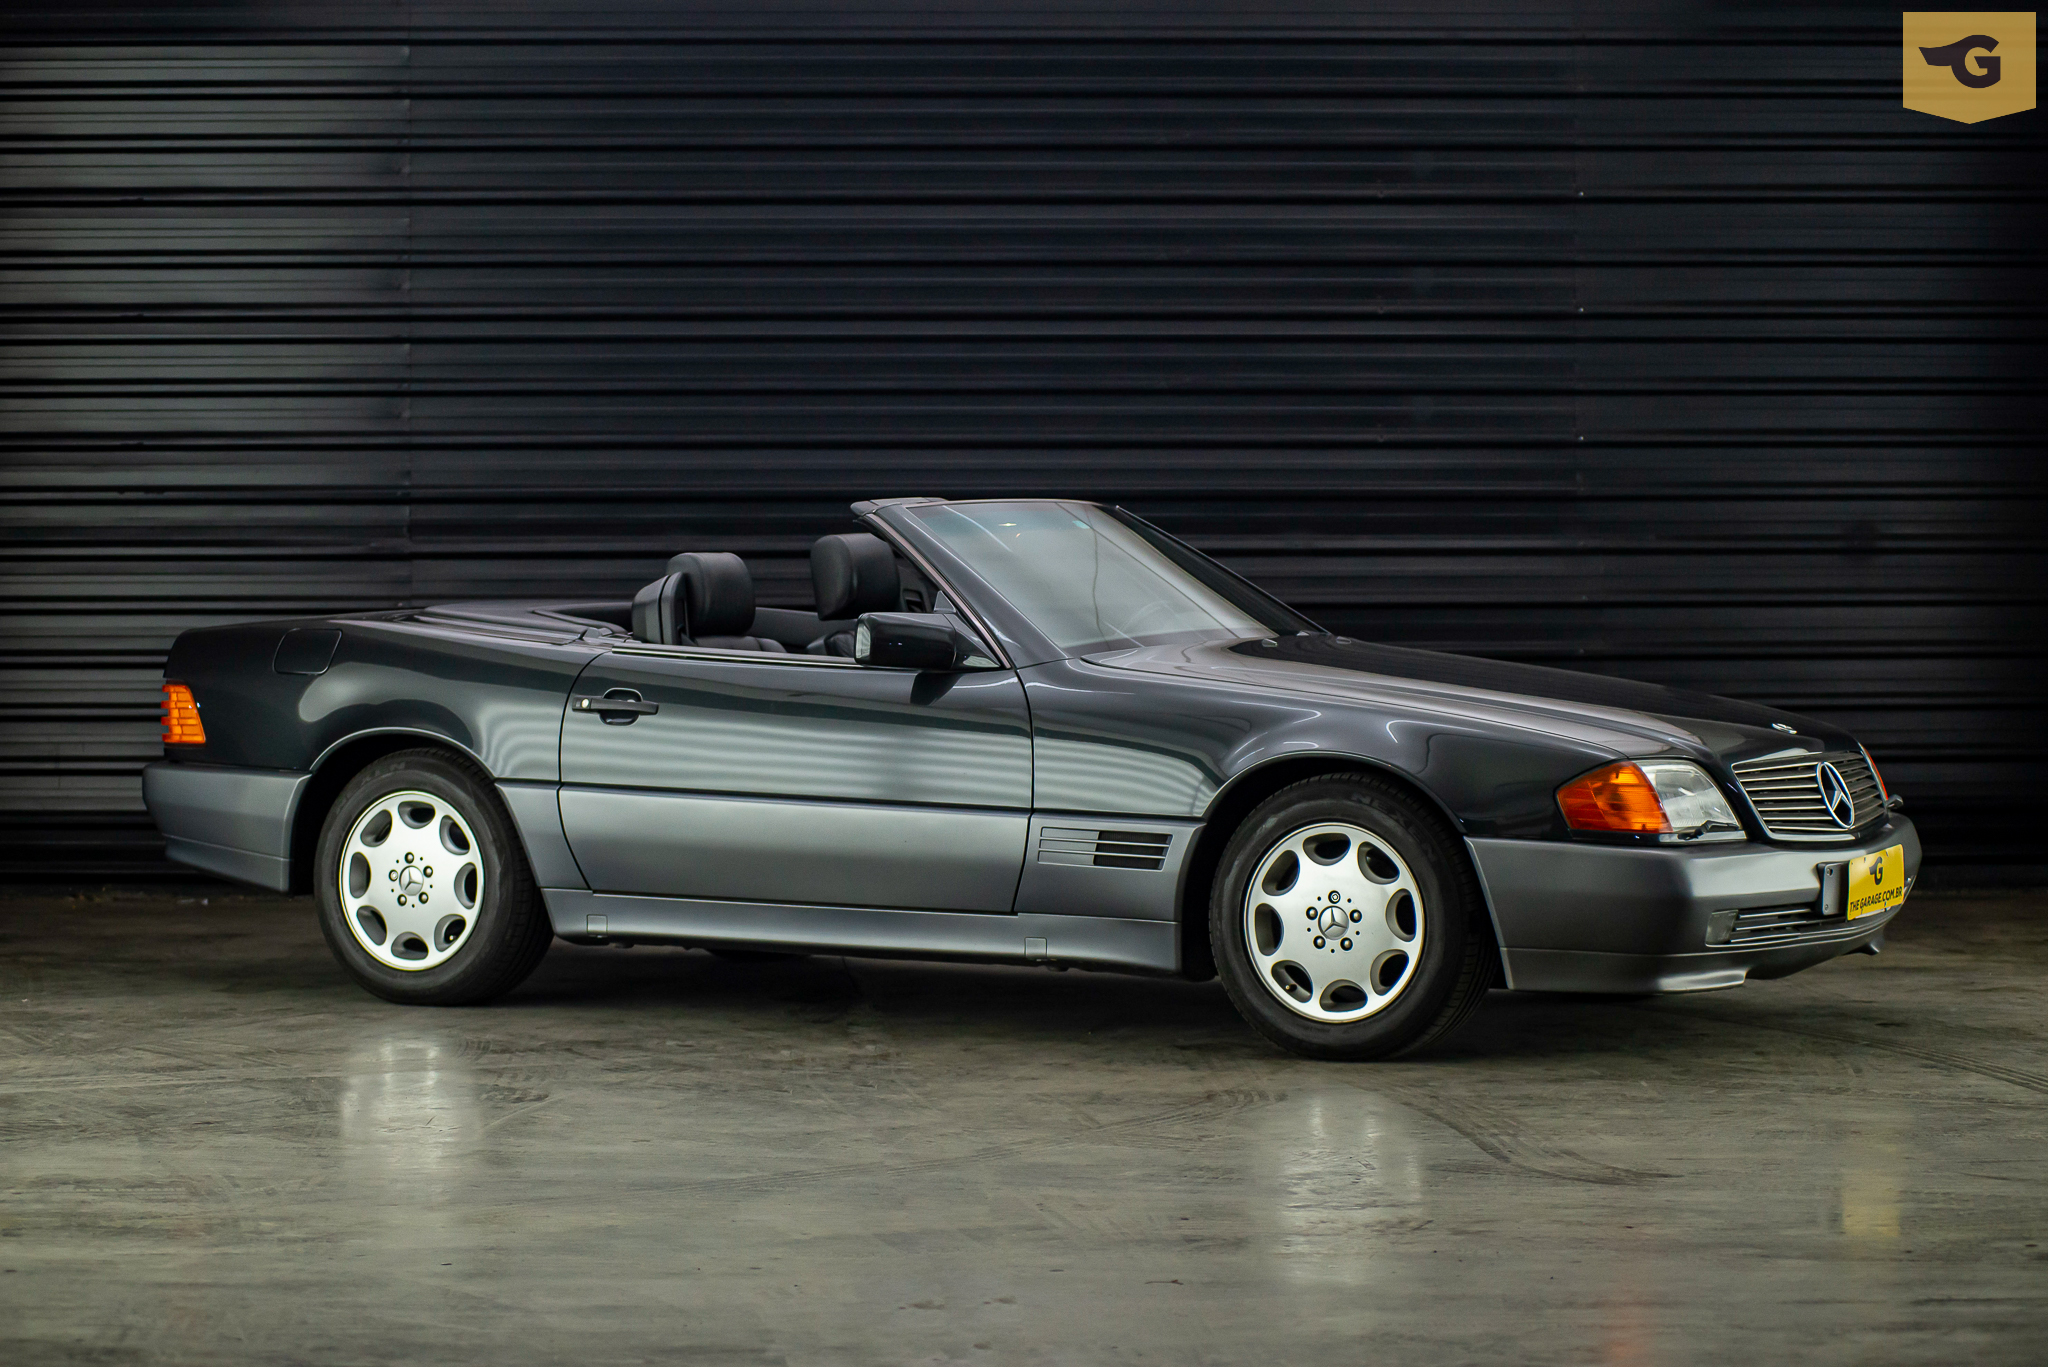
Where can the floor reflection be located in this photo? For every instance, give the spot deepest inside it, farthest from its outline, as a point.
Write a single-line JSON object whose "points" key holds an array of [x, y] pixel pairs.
{"points": [[1341, 1166], [1871, 1191], [408, 1108]]}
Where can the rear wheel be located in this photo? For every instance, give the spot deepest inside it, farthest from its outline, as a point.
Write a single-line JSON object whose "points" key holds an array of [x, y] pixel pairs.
{"points": [[424, 892], [1347, 923]]}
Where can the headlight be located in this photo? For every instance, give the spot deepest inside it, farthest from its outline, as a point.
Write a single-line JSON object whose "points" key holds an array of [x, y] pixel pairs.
{"points": [[1671, 799]]}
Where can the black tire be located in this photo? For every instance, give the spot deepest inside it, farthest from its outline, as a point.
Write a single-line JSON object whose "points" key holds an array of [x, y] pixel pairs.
{"points": [[1457, 958], [509, 929]]}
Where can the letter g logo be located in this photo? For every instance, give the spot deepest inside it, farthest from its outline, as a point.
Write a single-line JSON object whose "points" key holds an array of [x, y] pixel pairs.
{"points": [[1956, 57], [1969, 66]]}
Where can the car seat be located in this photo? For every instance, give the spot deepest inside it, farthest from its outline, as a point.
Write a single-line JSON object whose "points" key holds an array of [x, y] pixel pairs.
{"points": [[705, 599], [851, 573]]}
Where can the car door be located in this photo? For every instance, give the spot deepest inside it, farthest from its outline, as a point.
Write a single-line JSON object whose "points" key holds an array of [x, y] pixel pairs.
{"points": [[744, 776]]}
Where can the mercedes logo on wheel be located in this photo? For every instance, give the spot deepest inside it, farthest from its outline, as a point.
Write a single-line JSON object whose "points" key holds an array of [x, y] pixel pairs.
{"points": [[410, 882], [1834, 795]]}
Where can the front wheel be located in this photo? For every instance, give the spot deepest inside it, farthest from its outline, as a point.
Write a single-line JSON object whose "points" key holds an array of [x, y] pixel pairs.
{"points": [[1347, 923], [424, 892]]}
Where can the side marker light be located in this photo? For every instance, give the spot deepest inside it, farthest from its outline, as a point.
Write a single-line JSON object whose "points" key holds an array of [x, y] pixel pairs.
{"points": [[181, 717]]}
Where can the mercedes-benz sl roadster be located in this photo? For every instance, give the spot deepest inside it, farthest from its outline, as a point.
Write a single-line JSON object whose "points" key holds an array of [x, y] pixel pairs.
{"points": [[1022, 731]]}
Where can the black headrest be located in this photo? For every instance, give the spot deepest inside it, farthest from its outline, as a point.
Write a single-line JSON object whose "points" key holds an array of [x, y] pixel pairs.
{"points": [[657, 618], [717, 593], [708, 593], [854, 573]]}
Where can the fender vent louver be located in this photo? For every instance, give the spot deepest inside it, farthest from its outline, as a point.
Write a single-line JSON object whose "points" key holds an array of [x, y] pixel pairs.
{"points": [[1103, 849]]}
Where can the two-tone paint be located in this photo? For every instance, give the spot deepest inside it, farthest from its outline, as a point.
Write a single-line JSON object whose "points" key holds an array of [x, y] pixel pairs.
{"points": [[1054, 808]]}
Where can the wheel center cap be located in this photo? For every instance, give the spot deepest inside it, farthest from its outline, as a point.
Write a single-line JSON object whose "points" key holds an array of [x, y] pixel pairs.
{"points": [[1333, 920], [409, 880]]}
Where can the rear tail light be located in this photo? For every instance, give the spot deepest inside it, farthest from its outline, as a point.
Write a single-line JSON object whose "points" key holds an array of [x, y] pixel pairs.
{"points": [[181, 717], [1617, 798]]}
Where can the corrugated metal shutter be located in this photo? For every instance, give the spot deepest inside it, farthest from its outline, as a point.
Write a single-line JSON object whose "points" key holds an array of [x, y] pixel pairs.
{"points": [[1679, 352]]}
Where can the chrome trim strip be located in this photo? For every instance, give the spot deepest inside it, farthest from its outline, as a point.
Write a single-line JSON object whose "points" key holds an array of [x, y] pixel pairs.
{"points": [[1789, 756], [744, 795], [1814, 930], [751, 657]]}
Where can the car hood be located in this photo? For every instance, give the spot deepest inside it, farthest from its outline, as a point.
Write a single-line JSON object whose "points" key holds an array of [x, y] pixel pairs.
{"points": [[1538, 696]]}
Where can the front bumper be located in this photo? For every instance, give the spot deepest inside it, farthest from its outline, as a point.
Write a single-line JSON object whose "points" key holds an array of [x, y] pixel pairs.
{"points": [[1603, 918], [233, 822]]}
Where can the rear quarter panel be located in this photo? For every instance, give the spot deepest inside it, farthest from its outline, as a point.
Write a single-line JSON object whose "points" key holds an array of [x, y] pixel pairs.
{"points": [[498, 698]]}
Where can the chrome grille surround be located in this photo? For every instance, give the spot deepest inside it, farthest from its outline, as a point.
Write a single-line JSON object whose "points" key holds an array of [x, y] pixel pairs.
{"points": [[1785, 791], [1779, 926]]}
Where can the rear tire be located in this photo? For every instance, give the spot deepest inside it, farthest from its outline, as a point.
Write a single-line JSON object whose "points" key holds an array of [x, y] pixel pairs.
{"points": [[1347, 922], [469, 932]]}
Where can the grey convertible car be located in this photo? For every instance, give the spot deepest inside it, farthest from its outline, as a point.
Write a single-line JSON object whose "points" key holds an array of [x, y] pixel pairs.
{"points": [[1025, 731]]}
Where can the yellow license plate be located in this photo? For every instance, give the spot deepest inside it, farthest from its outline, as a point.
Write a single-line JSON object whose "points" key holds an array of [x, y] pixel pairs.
{"points": [[1877, 882]]}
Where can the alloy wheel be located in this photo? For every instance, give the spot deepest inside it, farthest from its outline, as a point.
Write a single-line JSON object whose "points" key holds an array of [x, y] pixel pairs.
{"points": [[1334, 922], [410, 880]]}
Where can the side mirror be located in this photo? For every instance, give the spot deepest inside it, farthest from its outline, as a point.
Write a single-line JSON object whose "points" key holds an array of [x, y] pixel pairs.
{"points": [[915, 640]]}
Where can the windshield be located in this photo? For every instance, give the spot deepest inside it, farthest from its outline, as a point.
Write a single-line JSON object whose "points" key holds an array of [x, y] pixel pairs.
{"points": [[1091, 581]]}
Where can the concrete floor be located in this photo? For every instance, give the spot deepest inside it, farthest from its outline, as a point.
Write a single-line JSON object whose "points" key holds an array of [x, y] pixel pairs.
{"points": [[214, 1149]]}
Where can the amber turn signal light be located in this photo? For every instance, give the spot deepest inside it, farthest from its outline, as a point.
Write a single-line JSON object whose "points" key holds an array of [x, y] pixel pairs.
{"points": [[181, 717], [1617, 798]]}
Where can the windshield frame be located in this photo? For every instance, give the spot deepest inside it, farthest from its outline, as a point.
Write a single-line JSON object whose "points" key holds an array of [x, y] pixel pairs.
{"points": [[1021, 639]]}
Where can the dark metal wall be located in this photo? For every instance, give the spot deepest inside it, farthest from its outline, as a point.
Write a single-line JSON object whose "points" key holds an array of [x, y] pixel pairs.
{"points": [[1670, 347]]}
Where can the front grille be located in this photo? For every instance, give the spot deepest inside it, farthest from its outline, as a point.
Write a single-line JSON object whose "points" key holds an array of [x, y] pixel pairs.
{"points": [[1103, 849], [1786, 792]]}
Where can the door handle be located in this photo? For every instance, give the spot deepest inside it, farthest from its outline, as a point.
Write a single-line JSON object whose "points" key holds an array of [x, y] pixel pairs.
{"points": [[616, 709]]}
